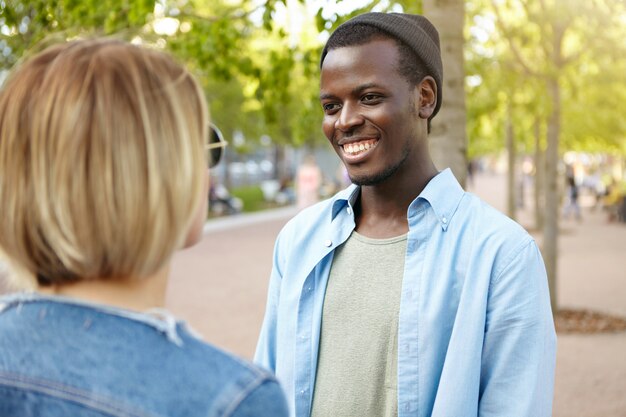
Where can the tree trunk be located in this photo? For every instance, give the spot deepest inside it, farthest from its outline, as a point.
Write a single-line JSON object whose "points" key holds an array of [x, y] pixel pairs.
{"points": [[539, 176], [511, 155], [280, 168], [448, 136], [551, 226]]}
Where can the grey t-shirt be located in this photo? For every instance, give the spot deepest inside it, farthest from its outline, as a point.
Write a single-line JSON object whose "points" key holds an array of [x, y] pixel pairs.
{"points": [[357, 362]]}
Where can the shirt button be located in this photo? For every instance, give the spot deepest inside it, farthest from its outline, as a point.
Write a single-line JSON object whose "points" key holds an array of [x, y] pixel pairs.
{"points": [[328, 243], [444, 220]]}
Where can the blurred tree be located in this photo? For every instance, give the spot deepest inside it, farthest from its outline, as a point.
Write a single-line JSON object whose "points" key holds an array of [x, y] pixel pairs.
{"points": [[558, 48], [502, 102]]}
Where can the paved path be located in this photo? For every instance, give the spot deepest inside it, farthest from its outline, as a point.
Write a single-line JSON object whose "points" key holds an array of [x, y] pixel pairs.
{"points": [[219, 286]]}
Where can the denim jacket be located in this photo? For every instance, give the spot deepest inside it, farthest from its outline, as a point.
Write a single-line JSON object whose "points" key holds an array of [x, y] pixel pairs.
{"points": [[62, 357]]}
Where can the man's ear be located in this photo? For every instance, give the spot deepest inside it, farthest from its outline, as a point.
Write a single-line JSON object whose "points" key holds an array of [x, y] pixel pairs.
{"points": [[427, 89]]}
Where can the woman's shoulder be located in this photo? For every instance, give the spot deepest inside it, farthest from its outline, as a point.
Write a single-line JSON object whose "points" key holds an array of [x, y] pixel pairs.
{"points": [[146, 361]]}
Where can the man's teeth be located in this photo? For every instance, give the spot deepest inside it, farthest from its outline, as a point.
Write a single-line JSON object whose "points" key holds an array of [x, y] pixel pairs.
{"points": [[355, 148]]}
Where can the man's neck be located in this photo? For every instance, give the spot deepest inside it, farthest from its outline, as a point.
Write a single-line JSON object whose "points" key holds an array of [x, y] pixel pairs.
{"points": [[381, 210]]}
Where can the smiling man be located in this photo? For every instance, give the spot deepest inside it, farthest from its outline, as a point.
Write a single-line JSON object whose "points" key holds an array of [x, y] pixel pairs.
{"points": [[403, 295]]}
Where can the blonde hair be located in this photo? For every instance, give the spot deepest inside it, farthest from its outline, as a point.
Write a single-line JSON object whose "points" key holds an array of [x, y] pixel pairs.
{"points": [[101, 161]]}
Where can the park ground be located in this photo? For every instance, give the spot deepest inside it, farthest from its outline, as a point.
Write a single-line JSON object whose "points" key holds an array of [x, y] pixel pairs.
{"points": [[219, 286]]}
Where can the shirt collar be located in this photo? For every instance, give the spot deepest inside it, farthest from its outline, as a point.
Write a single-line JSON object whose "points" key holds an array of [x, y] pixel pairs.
{"points": [[443, 193], [345, 197]]}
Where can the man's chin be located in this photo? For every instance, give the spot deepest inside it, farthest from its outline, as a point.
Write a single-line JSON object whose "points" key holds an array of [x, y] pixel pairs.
{"points": [[367, 180], [373, 178], [363, 181]]}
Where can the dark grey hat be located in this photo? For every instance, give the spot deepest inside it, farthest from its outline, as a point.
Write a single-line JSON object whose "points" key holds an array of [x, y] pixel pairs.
{"points": [[414, 30]]}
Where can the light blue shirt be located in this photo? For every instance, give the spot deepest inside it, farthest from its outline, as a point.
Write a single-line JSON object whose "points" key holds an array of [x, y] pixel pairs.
{"points": [[475, 336]]}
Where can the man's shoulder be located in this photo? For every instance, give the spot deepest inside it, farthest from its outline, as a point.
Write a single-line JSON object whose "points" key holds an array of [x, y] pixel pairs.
{"points": [[489, 223]]}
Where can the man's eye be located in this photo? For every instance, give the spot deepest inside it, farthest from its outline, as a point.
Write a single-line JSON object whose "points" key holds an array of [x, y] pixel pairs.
{"points": [[330, 107], [370, 97]]}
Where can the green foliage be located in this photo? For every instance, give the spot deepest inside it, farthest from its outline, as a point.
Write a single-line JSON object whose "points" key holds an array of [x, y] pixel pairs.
{"points": [[26, 24], [259, 80], [516, 46]]}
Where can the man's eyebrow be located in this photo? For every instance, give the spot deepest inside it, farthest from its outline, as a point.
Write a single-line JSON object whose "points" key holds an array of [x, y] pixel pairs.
{"points": [[358, 90], [355, 91]]}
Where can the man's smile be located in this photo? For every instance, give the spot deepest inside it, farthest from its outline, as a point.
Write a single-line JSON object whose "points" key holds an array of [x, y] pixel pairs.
{"points": [[356, 148]]}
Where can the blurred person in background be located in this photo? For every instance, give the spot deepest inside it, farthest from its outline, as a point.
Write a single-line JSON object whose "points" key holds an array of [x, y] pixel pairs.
{"points": [[614, 201], [571, 205], [308, 182], [103, 177]]}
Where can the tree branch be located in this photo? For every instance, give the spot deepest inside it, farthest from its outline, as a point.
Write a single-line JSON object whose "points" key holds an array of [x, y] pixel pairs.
{"points": [[516, 52]]}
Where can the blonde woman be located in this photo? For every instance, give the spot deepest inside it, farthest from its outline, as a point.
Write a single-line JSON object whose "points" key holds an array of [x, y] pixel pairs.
{"points": [[102, 178]]}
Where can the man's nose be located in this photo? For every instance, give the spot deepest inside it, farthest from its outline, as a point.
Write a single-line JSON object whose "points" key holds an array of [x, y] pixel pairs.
{"points": [[349, 118]]}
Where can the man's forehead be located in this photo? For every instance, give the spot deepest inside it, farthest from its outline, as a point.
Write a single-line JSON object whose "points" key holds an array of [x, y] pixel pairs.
{"points": [[375, 50], [354, 69]]}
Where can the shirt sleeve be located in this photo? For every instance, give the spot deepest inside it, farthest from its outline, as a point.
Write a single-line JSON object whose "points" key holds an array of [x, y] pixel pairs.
{"points": [[266, 400], [519, 351]]}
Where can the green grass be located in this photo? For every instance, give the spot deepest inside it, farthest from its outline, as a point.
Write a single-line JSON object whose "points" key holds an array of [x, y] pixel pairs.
{"points": [[252, 197]]}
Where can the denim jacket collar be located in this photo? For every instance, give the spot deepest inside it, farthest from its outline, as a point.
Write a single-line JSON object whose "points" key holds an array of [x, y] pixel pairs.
{"points": [[161, 319]]}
